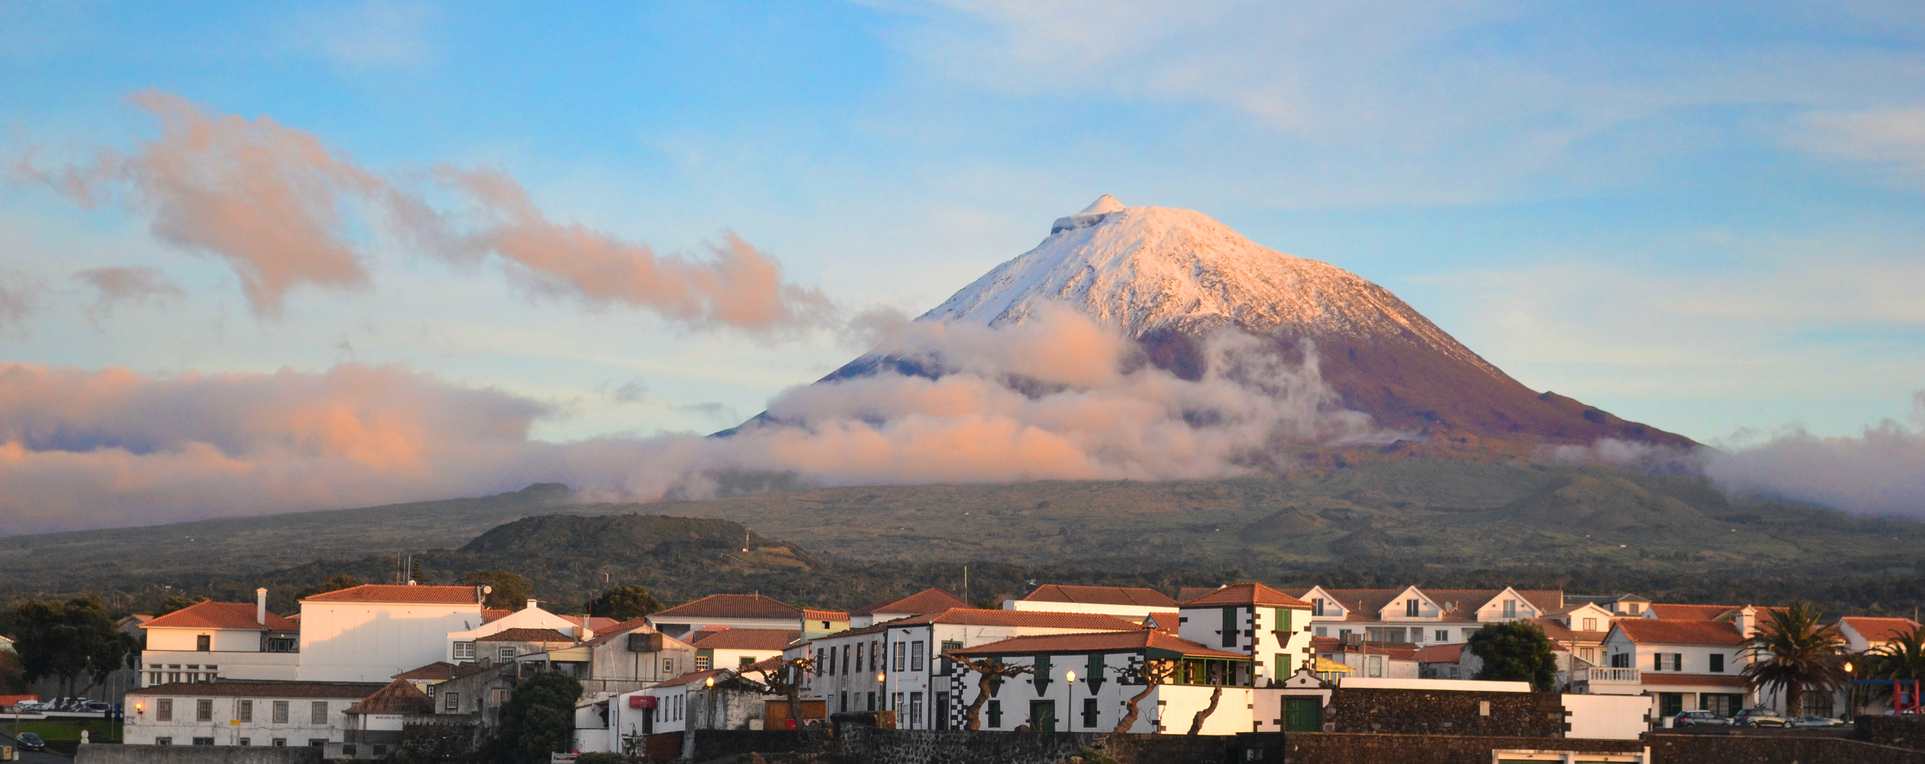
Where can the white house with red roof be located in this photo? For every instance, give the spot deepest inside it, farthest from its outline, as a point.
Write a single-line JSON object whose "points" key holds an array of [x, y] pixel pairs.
{"points": [[1269, 626], [740, 648], [1132, 602], [1864, 633], [929, 600], [1083, 682], [211, 640], [727, 611], [1685, 665], [371, 632], [1415, 615], [468, 644]]}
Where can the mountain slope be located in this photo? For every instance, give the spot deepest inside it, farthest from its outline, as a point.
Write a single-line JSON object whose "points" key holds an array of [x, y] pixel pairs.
{"points": [[1168, 277]]}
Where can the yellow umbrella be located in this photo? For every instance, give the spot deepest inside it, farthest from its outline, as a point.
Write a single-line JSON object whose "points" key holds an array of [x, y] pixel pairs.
{"points": [[1328, 666]]}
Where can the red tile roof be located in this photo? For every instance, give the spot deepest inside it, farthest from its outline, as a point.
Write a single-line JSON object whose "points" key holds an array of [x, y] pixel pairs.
{"points": [[692, 677], [527, 635], [1034, 618], [1365, 604], [603, 635], [926, 601], [260, 689], [208, 614], [492, 614], [1247, 594], [1677, 611], [731, 606], [1187, 593], [1648, 631], [432, 672], [399, 697], [1440, 653], [410, 594], [1876, 629], [747, 639], [1100, 642], [1135, 596], [1668, 679], [812, 614]]}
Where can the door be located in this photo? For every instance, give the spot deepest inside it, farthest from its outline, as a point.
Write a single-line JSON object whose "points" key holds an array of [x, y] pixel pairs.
{"points": [[1670, 704], [1042, 716], [942, 711], [1303, 714]]}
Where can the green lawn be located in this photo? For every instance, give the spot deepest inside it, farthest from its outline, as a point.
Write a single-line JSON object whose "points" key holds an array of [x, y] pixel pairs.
{"points": [[64, 734]]}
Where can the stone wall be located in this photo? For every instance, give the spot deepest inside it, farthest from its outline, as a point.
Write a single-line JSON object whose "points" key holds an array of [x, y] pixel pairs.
{"points": [[708, 745], [867, 744], [1775, 749], [195, 754], [1901, 731], [1428, 712], [1367, 748]]}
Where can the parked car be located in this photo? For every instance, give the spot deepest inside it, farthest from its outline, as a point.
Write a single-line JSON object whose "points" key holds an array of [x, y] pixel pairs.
{"points": [[1817, 721], [30, 742], [96, 707], [29, 706], [1699, 719], [1759, 717]]}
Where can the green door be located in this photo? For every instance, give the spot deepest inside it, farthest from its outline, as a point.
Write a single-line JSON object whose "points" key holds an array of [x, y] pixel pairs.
{"points": [[1302, 714], [1042, 716]]}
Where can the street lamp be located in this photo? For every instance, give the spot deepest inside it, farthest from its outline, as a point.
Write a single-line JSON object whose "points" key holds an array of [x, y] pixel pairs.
{"points": [[1851, 691], [1070, 676]]}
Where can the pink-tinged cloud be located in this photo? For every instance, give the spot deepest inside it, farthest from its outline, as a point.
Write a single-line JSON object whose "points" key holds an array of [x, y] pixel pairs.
{"points": [[91, 448], [285, 211], [1880, 471], [127, 284]]}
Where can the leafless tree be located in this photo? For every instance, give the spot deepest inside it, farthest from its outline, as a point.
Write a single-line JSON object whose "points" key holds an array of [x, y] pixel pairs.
{"points": [[784, 679], [1154, 672], [989, 672]]}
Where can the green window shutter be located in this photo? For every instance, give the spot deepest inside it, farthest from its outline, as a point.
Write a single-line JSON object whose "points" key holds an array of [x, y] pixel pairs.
{"points": [[1041, 675], [1229, 627]]}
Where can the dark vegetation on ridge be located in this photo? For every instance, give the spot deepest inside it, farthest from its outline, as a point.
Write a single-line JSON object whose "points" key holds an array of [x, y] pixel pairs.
{"points": [[1585, 529]]}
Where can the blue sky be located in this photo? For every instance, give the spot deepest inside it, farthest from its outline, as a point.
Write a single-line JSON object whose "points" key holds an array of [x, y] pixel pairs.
{"points": [[1709, 217]]}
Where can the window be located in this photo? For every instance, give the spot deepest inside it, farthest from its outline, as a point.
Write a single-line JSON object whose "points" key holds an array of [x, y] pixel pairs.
{"points": [[1717, 663], [820, 661], [163, 741], [505, 653], [1657, 661], [1443, 635], [464, 651], [1229, 627], [915, 710], [204, 710], [1323, 631], [899, 657], [451, 701], [1316, 606], [847, 667], [831, 668], [1510, 608], [279, 742], [704, 662], [668, 666], [917, 660], [1089, 713], [203, 642], [872, 701], [347, 749], [317, 742], [1410, 607], [1374, 665], [280, 712], [203, 741], [1634, 608], [896, 703], [1590, 624], [318, 713], [1677, 661], [164, 710], [243, 742], [995, 714], [860, 666]]}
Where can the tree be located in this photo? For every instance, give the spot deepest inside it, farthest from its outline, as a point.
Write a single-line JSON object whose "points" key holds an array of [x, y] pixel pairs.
{"points": [[1795, 651], [1155, 672], [507, 590], [1901, 660], [783, 678], [624, 603], [1196, 723], [990, 674], [68, 640], [538, 719], [1516, 651]]}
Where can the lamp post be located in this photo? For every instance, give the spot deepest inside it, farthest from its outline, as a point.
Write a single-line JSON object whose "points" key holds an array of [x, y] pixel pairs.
{"points": [[708, 690], [882, 680], [1851, 690], [1070, 677]]}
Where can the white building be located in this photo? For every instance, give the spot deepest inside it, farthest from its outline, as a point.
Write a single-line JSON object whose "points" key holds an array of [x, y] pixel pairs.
{"points": [[374, 631], [1269, 626], [1683, 665], [1132, 602], [210, 640], [235, 713], [463, 645], [1084, 682], [899, 665], [1423, 615], [736, 649]]}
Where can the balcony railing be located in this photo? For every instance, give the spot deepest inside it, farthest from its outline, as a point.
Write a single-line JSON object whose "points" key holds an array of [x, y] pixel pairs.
{"points": [[1602, 675]]}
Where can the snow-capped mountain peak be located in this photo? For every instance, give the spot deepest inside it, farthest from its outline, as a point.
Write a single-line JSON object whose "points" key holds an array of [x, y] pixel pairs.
{"points": [[1141, 269]]}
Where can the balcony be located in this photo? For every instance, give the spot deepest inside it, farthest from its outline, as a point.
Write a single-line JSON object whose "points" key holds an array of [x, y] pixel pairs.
{"points": [[1599, 680]]}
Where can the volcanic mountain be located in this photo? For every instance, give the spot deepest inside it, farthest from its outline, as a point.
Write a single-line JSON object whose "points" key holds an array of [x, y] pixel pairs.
{"points": [[1169, 277]]}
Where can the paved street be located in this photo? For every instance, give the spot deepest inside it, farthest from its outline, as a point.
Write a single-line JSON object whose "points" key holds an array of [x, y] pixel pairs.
{"points": [[31, 756]]}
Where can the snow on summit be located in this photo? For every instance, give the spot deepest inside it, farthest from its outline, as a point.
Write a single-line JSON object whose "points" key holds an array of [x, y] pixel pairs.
{"points": [[1144, 268]]}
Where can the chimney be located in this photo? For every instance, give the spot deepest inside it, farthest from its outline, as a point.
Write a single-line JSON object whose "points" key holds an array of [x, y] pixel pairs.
{"points": [[1746, 621], [532, 603], [260, 605]]}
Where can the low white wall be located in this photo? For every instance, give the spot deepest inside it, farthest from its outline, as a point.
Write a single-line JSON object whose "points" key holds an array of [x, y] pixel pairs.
{"points": [[1608, 717], [1463, 685]]}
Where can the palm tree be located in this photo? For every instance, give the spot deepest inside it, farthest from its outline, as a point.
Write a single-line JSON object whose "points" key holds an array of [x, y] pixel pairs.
{"points": [[1795, 651], [1902, 659]]}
